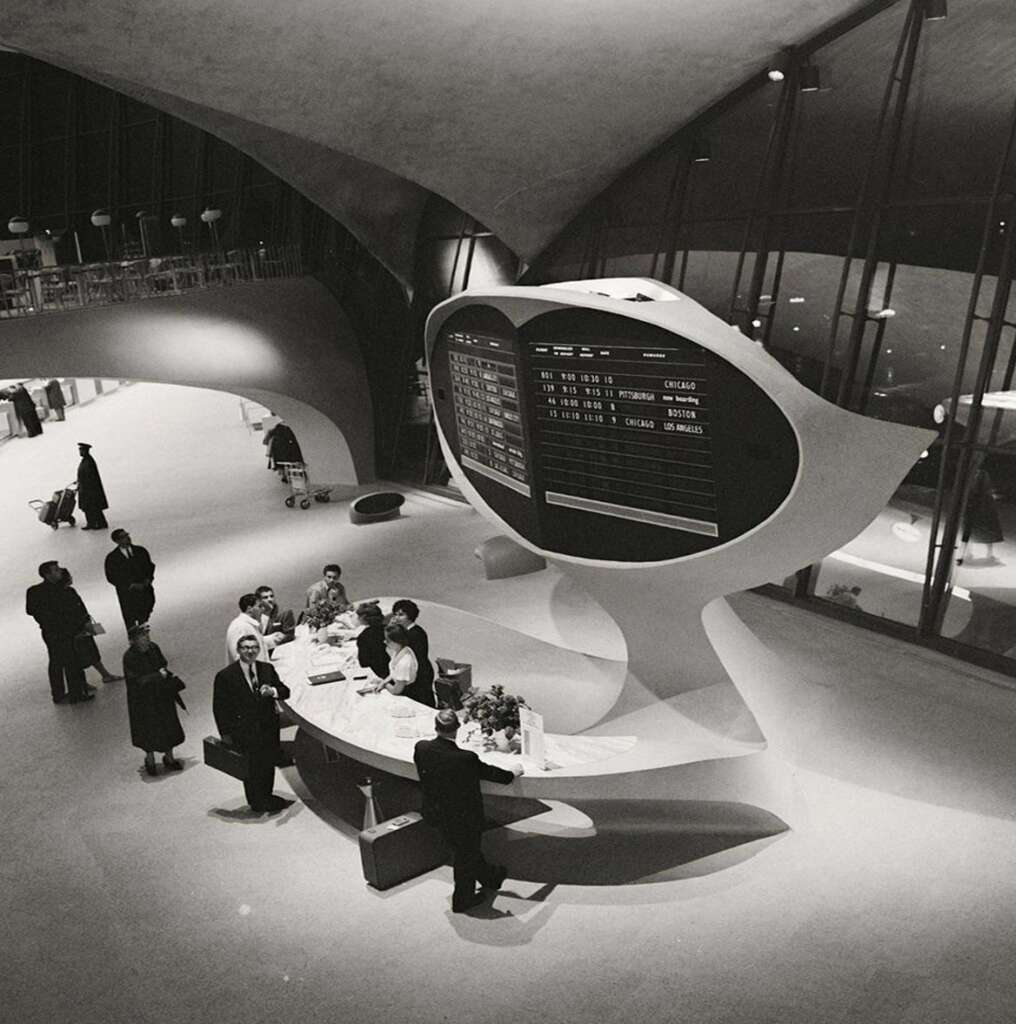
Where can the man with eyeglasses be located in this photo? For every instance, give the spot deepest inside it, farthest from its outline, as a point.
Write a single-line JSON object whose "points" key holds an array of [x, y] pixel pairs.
{"points": [[243, 703]]}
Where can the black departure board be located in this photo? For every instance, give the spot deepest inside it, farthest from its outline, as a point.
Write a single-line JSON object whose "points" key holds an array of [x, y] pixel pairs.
{"points": [[623, 430], [606, 437], [485, 383]]}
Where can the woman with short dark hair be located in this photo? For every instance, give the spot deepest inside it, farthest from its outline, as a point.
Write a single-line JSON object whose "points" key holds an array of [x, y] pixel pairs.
{"points": [[370, 641]]}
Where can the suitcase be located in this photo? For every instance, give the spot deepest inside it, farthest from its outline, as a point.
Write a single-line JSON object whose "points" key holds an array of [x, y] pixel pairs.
{"points": [[65, 502], [224, 758], [400, 849], [59, 508]]}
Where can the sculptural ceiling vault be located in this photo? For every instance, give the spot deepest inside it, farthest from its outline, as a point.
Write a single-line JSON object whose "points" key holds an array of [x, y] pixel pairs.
{"points": [[518, 113]]}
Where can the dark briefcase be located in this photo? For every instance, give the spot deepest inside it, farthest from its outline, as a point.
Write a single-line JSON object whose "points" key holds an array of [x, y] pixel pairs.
{"points": [[400, 849], [224, 758]]}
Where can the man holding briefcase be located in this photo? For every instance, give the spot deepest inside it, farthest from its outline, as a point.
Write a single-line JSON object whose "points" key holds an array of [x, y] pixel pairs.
{"points": [[453, 804], [243, 703]]}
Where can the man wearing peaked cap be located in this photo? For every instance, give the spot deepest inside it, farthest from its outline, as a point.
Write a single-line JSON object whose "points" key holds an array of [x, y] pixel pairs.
{"points": [[91, 496]]}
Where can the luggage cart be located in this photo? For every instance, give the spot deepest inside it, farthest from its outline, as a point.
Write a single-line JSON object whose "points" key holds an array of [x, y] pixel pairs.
{"points": [[300, 487], [59, 509]]}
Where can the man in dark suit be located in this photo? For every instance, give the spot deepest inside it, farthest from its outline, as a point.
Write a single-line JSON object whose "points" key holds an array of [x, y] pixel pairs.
{"points": [[404, 613], [273, 619], [453, 804], [243, 703], [131, 570], [55, 607]]}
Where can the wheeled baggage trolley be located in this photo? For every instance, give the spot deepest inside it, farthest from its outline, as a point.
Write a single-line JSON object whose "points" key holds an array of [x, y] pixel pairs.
{"points": [[399, 849], [59, 509], [300, 487]]}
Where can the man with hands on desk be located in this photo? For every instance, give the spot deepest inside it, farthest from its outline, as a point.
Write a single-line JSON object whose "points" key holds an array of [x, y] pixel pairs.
{"points": [[243, 703], [453, 804]]}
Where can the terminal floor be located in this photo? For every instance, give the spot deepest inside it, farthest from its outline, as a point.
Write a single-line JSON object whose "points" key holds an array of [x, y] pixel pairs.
{"points": [[125, 898]]}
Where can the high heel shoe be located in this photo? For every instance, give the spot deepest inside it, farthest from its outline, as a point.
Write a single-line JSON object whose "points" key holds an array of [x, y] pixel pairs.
{"points": [[150, 768], [172, 764]]}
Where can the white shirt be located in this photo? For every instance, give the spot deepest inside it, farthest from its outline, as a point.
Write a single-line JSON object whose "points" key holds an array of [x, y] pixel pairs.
{"points": [[244, 625], [403, 668]]}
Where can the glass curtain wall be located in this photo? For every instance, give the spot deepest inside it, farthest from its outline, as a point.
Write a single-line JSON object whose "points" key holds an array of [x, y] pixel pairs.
{"points": [[855, 216], [69, 148]]}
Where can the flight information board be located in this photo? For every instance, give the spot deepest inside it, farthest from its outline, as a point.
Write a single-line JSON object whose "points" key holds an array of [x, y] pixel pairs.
{"points": [[602, 436], [623, 430], [485, 383]]}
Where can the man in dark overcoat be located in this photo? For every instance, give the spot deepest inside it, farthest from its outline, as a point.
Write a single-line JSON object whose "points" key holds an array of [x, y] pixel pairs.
{"points": [[243, 703], [24, 408], [453, 804], [56, 399], [129, 567], [91, 496], [54, 607]]}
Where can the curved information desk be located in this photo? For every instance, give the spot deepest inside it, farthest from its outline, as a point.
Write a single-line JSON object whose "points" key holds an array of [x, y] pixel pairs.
{"points": [[381, 730]]}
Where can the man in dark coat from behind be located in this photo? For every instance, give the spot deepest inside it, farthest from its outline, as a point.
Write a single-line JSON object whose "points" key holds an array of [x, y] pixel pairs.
{"points": [[453, 804], [55, 399], [24, 408], [243, 703], [129, 567], [55, 607], [91, 496]]}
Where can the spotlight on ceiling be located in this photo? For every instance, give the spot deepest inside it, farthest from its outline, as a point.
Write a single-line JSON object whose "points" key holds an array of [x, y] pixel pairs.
{"points": [[809, 78], [700, 150], [775, 75], [936, 10]]}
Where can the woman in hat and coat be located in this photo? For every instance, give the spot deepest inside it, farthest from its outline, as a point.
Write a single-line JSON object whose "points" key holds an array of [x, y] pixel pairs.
{"points": [[153, 693]]}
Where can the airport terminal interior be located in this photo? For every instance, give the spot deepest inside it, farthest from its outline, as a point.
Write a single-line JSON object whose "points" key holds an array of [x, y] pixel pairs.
{"points": [[764, 613]]}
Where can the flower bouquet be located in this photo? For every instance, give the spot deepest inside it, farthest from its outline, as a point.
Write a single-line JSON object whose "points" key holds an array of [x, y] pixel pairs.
{"points": [[319, 616], [496, 713]]}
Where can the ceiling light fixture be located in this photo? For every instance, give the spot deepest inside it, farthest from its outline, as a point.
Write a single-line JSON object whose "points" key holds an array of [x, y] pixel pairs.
{"points": [[701, 151], [809, 78], [936, 10]]}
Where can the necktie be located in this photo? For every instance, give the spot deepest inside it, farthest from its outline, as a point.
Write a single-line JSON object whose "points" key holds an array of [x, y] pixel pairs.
{"points": [[253, 677]]}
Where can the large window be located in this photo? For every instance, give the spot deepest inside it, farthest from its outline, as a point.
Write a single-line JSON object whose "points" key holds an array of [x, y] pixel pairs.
{"points": [[857, 219]]}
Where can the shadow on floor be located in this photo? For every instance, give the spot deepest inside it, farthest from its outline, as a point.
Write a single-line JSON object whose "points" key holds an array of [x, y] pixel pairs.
{"points": [[626, 843], [637, 842]]}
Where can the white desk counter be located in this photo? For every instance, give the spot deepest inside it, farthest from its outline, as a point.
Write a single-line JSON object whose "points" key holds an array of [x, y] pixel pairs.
{"points": [[381, 730]]}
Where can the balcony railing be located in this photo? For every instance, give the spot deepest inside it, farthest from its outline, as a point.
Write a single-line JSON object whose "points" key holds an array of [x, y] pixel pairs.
{"points": [[52, 289]]}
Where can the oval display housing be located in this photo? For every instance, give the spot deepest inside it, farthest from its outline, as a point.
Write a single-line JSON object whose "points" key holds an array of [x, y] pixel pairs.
{"points": [[605, 437]]}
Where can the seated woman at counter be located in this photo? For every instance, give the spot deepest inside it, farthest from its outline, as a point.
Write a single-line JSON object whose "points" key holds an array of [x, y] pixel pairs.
{"points": [[402, 674], [370, 641]]}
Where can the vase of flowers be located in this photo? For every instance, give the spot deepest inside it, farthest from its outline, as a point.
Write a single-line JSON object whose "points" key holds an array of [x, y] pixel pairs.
{"points": [[496, 713]]}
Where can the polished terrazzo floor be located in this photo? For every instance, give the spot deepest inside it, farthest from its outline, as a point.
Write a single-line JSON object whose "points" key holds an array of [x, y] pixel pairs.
{"points": [[130, 899]]}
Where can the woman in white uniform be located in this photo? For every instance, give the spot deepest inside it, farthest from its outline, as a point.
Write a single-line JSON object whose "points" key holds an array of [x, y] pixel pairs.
{"points": [[402, 667]]}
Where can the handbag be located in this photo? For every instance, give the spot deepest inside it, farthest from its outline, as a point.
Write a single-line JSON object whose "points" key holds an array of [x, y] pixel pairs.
{"points": [[226, 758], [93, 628]]}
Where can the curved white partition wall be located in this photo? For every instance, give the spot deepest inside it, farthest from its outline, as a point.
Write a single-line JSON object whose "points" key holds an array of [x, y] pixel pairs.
{"points": [[287, 344], [762, 478]]}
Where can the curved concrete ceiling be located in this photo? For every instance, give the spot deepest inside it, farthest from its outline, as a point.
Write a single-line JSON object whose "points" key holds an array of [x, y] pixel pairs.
{"points": [[518, 113]]}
